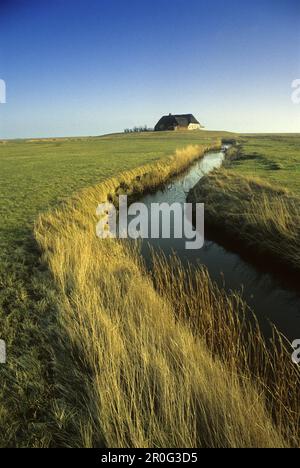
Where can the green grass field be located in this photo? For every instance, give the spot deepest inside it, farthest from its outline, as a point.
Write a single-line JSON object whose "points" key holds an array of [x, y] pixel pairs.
{"points": [[274, 158]]}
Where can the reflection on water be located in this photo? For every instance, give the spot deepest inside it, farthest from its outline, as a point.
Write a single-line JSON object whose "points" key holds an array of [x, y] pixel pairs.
{"points": [[270, 300]]}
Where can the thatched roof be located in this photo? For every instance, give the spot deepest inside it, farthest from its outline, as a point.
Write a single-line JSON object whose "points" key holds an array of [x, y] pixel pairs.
{"points": [[169, 122]]}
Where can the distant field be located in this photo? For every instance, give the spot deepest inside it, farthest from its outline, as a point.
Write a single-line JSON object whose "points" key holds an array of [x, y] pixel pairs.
{"points": [[275, 158], [36, 174]]}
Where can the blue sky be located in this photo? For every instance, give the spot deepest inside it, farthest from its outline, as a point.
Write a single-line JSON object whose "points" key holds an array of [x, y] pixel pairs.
{"points": [[88, 67]]}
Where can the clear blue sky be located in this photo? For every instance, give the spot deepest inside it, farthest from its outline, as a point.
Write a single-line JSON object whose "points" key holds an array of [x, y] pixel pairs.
{"points": [[88, 67]]}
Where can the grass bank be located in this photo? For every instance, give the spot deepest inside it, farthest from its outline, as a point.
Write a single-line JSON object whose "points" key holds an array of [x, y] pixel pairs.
{"points": [[255, 198]]}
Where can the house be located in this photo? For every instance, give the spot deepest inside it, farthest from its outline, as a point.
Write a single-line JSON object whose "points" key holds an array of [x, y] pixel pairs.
{"points": [[177, 122]]}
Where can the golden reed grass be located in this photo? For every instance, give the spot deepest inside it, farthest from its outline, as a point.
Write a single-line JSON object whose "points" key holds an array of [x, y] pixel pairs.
{"points": [[132, 372], [263, 217]]}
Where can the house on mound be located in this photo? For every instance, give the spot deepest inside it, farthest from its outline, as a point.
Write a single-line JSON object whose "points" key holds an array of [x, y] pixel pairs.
{"points": [[177, 122]]}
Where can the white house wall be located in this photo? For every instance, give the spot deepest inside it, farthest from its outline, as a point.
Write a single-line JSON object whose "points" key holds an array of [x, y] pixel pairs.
{"points": [[193, 126]]}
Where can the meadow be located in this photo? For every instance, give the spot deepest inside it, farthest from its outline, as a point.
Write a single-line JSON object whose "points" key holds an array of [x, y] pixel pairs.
{"points": [[273, 158], [102, 354]]}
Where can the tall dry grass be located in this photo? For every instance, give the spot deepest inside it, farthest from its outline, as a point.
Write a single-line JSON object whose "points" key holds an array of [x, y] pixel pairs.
{"points": [[131, 371], [264, 218], [278, 218], [231, 332]]}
